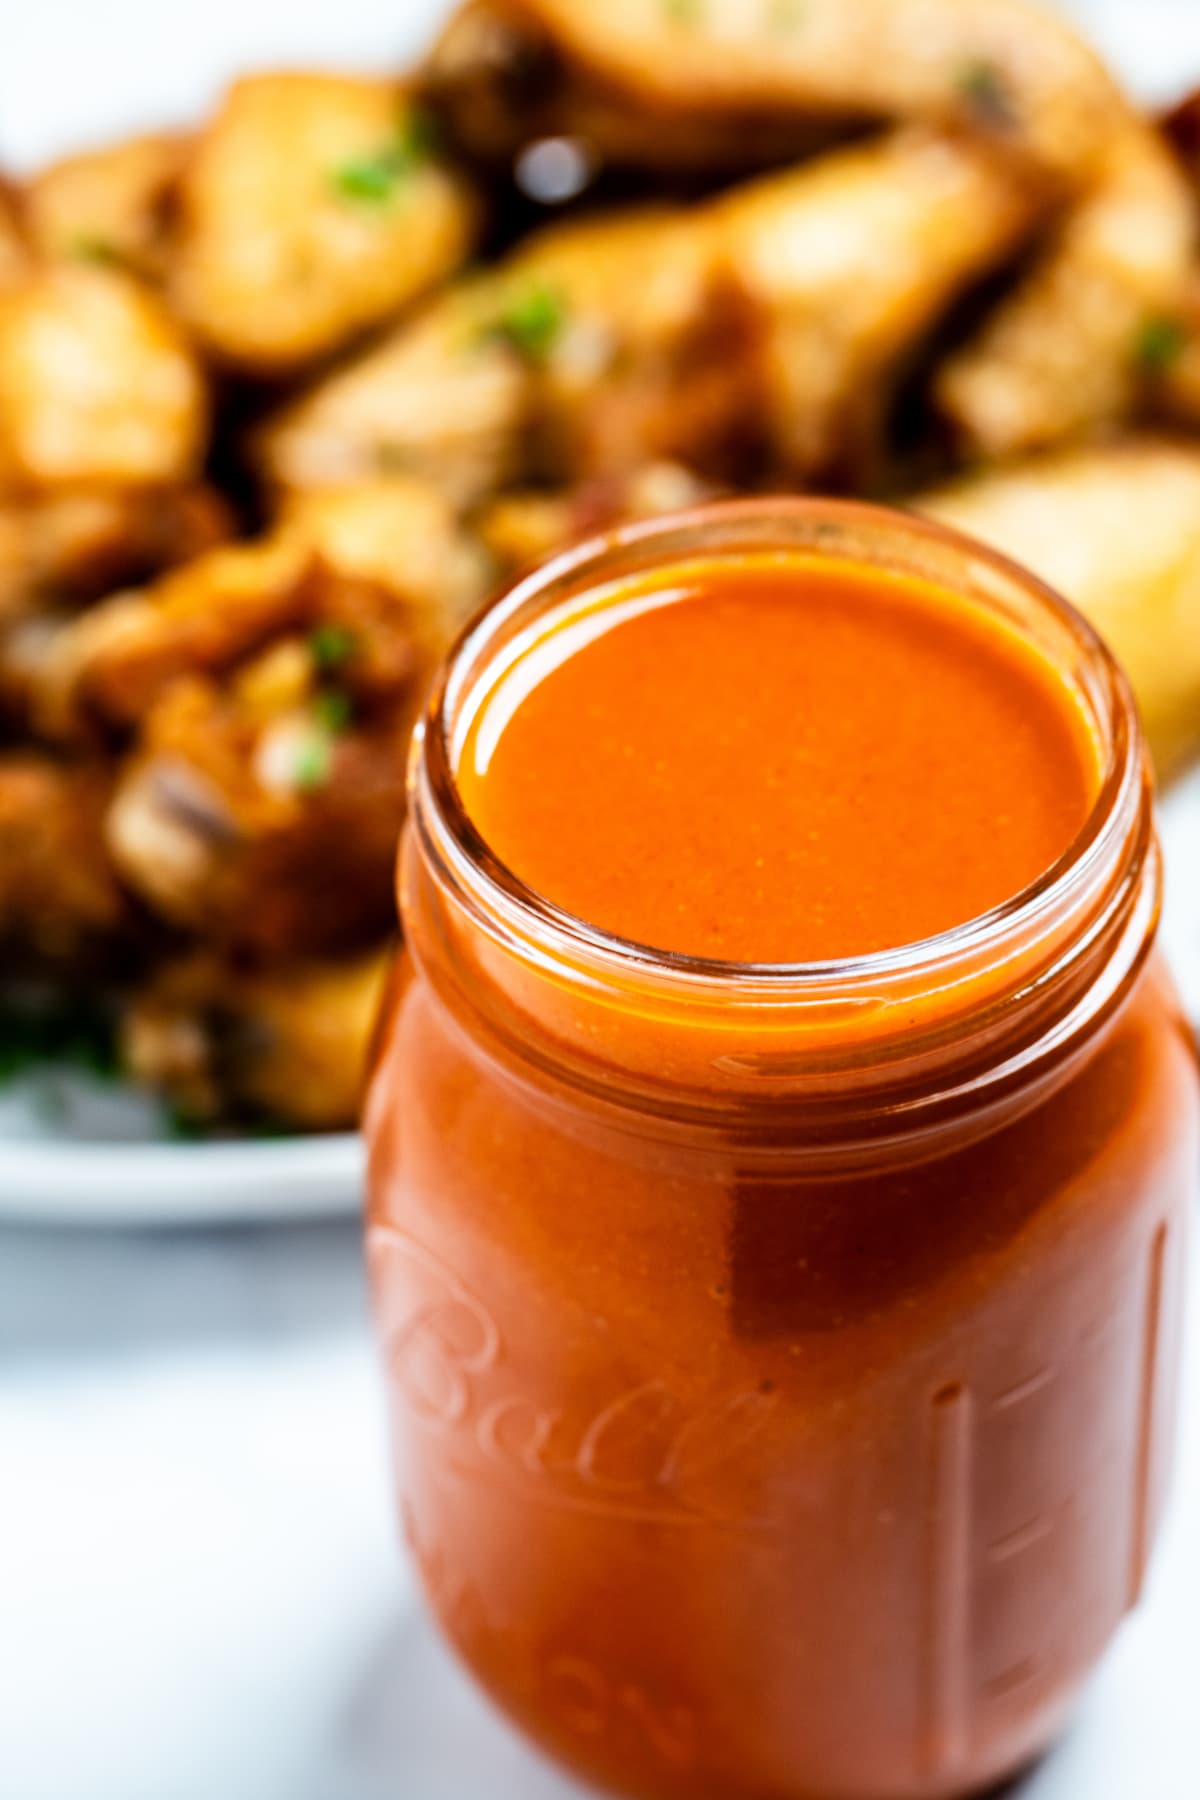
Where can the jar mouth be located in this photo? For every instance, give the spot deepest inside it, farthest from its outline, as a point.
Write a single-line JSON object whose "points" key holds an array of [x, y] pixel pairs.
{"points": [[854, 532]]}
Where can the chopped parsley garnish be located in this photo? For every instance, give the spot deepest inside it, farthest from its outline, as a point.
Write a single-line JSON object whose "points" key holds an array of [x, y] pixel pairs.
{"points": [[986, 91], [314, 760], [1160, 343], [785, 15], [532, 321], [334, 709], [376, 179], [330, 646], [684, 12], [100, 252]]}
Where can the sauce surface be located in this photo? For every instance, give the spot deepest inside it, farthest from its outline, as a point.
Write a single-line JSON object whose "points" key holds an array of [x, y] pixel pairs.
{"points": [[777, 760]]}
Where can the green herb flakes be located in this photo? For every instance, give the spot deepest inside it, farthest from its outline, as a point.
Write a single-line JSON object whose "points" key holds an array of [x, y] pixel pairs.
{"points": [[1160, 343], [985, 89], [314, 760], [376, 179], [333, 709], [330, 646], [532, 321]]}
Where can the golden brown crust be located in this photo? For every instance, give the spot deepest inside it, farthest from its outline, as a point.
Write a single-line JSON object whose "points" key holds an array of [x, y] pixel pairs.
{"points": [[98, 385], [61, 905], [111, 205], [1003, 69], [221, 1041], [1069, 350], [312, 209], [1116, 528]]}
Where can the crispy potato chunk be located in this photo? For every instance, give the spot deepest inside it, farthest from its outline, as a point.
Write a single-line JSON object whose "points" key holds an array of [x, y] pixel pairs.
{"points": [[275, 687], [640, 77], [116, 659], [853, 260], [61, 905], [698, 335], [111, 205], [289, 1044], [525, 526], [313, 208], [72, 547], [452, 395], [1117, 530], [1072, 347], [14, 249], [392, 549], [269, 831], [98, 386]]}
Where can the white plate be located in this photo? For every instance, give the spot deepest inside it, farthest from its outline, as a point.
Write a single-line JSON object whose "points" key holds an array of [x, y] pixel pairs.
{"points": [[52, 99]]}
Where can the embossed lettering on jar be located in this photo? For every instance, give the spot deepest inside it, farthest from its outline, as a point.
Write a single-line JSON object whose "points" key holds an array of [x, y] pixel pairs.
{"points": [[780, 1355]]}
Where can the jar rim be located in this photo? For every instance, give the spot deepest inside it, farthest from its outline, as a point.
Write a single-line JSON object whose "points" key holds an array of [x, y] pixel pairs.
{"points": [[781, 523]]}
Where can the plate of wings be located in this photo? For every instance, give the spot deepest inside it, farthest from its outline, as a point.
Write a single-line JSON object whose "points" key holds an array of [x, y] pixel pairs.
{"points": [[285, 394]]}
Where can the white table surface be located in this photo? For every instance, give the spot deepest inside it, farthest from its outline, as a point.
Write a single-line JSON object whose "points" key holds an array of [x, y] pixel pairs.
{"points": [[200, 1594]]}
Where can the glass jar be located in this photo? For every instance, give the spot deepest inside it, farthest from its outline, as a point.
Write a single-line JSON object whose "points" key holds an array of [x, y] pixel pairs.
{"points": [[781, 1359]]}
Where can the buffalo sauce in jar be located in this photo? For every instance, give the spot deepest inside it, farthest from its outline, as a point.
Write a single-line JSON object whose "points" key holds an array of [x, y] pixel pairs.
{"points": [[780, 1158]]}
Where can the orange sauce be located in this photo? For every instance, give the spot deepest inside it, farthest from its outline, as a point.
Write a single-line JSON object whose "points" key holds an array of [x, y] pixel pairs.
{"points": [[764, 763]]}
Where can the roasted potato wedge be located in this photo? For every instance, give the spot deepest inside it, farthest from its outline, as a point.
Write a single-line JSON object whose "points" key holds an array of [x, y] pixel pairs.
{"points": [[852, 261], [314, 207], [712, 335], [61, 906], [388, 563], [1116, 528], [71, 547], [1073, 347], [14, 247], [98, 385], [656, 83], [110, 206], [526, 525], [232, 813], [454, 394], [290, 1044]]}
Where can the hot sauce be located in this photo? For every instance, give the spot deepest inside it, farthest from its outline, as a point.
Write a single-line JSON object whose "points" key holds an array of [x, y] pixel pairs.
{"points": [[780, 1159], [758, 763]]}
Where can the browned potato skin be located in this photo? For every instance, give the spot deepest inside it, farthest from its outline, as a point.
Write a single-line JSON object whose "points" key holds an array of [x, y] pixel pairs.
{"points": [[111, 205], [526, 525], [98, 385], [14, 247], [449, 397], [1061, 356], [290, 1043], [851, 262], [239, 798], [1001, 68], [217, 843], [742, 333], [61, 905], [1116, 528], [393, 547], [277, 265], [71, 547]]}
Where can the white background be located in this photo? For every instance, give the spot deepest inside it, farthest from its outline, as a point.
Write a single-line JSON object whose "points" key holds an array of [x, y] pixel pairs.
{"points": [[200, 1598]]}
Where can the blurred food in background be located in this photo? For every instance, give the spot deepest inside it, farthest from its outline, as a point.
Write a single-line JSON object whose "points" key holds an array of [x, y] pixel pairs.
{"points": [[284, 394]]}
